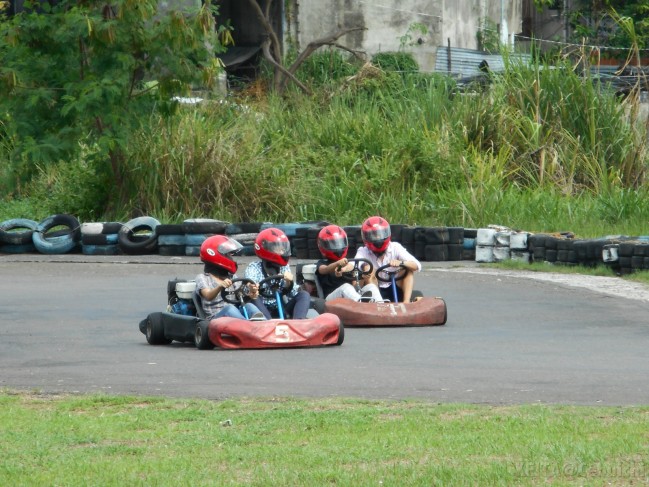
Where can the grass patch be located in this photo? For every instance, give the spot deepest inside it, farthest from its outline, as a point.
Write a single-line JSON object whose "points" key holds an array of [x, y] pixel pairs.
{"points": [[601, 270], [100, 440]]}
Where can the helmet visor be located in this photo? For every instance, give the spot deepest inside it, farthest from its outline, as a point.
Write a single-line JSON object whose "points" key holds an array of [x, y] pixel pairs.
{"points": [[377, 235], [282, 248], [230, 247], [336, 244]]}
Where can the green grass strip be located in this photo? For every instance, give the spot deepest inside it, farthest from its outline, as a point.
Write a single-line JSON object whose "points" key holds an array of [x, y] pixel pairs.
{"points": [[102, 440]]}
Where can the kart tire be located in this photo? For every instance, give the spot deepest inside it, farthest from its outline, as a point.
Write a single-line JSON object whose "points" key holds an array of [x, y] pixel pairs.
{"points": [[128, 239], [56, 242], [201, 336], [21, 237], [154, 330], [415, 295], [341, 334]]}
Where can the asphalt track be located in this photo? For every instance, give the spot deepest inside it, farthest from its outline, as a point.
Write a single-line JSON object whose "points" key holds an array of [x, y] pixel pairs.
{"points": [[70, 324]]}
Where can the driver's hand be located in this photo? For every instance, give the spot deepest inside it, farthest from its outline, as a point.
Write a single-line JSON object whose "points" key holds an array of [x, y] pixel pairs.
{"points": [[226, 283], [288, 276], [253, 291], [341, 263], [395, 263]]}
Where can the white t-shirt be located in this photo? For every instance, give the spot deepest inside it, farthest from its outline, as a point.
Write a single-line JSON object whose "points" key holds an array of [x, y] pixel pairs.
{"points": [[395, 251]]}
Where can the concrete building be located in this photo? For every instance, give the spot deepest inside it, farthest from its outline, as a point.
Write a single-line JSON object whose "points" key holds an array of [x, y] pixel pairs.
{"points": [[415, 26]]}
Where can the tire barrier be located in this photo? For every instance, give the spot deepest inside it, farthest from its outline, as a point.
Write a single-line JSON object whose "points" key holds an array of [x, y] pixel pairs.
{"points": [[146, 235], [17, 232], [100, 238], [138, 236], [57, 234]]}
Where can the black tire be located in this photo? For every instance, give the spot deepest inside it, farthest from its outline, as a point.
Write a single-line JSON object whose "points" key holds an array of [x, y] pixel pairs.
{"points": [[61, 243], [455, 235], [176, 239], [420, 250], [201, 336], [99, 239], [455, 252], [341, 334], [23, 236], [155, 331], [112, 227], [408, 236], [437, 235], [415, 295], [170, 229], [100, 249], [251, 227], [436, 253], [18, 249], [204, 225], [396, 232], [134, 244], [538, 254]]}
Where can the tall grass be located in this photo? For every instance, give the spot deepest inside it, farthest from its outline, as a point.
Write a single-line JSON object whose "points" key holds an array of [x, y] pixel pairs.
{"points": [[540, 147]]}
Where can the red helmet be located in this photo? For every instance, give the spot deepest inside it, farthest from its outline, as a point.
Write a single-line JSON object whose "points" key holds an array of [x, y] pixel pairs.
{"points": [[272, 245], [332, 242], [376, 234], [218, 250]]}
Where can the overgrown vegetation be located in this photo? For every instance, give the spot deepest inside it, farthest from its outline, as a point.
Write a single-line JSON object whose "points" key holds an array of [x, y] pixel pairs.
{"points": [[78, 78], [542, 148]]}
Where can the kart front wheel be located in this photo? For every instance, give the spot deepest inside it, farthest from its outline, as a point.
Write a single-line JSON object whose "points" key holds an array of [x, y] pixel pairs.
{"points": [[201, 336]]}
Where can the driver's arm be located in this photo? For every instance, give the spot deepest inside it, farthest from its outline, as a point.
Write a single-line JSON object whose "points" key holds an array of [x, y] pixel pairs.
{"points": [[336, 267], [210, 293], [408, 264]]}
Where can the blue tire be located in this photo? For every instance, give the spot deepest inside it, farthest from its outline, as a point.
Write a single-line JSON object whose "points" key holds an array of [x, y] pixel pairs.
{"points": [[59, 242], [17, 231]]}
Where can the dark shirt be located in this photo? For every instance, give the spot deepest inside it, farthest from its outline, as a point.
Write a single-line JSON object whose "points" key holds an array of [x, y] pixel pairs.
{"points": [[328, 282]]}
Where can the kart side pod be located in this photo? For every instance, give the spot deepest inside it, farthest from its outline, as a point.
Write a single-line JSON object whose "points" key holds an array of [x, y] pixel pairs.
{"points": [[232, 333], [426, 311]]}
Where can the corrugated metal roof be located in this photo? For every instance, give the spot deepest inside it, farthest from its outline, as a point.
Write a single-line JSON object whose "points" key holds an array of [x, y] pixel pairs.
{"points": [[466, 62]]}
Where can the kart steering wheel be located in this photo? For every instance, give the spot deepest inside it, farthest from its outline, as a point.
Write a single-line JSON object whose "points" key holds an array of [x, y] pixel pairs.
{"points": [[268, 286], [356, 272], [236, 293], [390, 274]]}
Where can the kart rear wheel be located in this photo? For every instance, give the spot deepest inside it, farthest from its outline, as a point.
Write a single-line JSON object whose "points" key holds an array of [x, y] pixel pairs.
{"points": [[341, 334], [201, 336], [155, 331]]}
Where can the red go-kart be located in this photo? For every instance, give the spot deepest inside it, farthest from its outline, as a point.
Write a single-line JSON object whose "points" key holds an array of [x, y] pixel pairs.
{"points": [[314, 331], [421, 311], [184, 321]]}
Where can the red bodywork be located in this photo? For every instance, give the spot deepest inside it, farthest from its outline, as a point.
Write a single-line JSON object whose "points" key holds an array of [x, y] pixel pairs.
{"points": [[325, 329], [424, 312]]}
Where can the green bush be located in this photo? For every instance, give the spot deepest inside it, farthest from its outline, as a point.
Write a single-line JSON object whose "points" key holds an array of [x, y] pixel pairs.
{"points": [[402, 62]]}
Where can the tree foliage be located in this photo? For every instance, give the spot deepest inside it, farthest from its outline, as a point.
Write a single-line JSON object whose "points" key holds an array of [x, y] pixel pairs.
{"points": [[612, 23], [88, 70]]}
